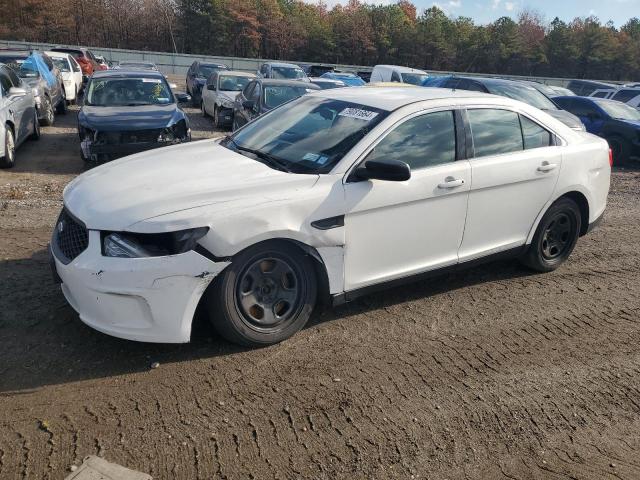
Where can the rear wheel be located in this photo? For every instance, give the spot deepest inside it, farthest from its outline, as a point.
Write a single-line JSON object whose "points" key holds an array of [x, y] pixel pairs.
{"points": [[8, 160], [265, 296], [47, 112], [61, 109], [36, 128], [204, 110], [555, 237]]}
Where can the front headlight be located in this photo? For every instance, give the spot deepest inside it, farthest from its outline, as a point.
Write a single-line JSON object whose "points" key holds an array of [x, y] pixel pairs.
{"points": [[140, 245], [226, 103]]}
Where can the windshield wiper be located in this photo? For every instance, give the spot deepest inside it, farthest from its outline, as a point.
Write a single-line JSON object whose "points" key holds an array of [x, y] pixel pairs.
{"points": [[268, 159]]}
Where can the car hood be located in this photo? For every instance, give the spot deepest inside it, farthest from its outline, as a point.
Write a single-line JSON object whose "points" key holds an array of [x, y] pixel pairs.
{"points": [[119, 194], [568, 118], [143, 117]]}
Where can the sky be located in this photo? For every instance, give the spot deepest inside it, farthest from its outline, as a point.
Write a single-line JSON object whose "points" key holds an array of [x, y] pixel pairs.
{"points": [[486, 11]]}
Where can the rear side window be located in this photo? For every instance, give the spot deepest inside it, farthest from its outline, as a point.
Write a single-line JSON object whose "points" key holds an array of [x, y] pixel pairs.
{"points": [[534, 135], [625, 95], [5, 82], [421, 142], [495, 132], [600, 94]]}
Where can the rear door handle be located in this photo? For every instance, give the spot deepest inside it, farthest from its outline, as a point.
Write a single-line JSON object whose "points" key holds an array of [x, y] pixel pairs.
{"points": [[547, 167], [451, 182]]}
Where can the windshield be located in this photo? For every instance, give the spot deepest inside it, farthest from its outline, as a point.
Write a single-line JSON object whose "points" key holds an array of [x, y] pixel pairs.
{"points": [[414, 78], [276, 96], [61, 63], [24, 67], [619, 111], [287, 73], [233, 83], [309, 135], [110, 92], [206, 70], [523, 93]]}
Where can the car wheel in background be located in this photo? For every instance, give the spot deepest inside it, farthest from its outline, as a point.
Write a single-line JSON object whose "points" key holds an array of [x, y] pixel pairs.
{"points": [[8, 160], [216, 120], [555, 237], [203, 109], [620, 149], [49, 116], [265, 296], [61, 109], [36, 128]]}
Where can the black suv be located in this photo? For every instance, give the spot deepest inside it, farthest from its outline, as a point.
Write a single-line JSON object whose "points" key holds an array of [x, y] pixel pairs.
{"points": [[197, 76]]}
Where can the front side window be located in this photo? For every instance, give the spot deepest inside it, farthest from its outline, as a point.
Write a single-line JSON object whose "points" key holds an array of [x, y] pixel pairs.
{"points": [[421, 142], [625, 95], [495, 132], [600, 94], [309, 135], [108, 92]]}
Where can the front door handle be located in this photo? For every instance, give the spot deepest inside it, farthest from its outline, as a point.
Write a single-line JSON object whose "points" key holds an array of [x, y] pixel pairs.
{"points": [[451, 182], [547, 167]]}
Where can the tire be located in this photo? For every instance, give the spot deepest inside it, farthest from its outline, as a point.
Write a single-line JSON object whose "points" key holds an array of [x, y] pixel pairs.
{"points": [[61, 108], [265, 296], [234, 123], [36, 128], [49, 116], [204, 110], [9, 151], [555, 237], [216, 120], [621, 150]]}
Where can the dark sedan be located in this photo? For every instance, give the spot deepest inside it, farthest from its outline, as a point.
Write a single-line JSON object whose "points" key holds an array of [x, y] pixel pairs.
{"points": [[614, 121], [511, 89], [129, 111], [264, 94]]}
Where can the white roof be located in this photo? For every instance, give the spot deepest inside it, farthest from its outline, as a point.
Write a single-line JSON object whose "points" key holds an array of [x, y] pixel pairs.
{"points": [[58, 54], [401, 69], [391, 98]]}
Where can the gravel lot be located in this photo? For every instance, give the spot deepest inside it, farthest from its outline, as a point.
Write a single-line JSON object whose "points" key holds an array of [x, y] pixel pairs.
{"points": [[491, 373]]}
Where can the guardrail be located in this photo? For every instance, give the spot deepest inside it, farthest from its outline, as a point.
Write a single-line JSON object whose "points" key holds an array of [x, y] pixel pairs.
{"points": [[179, 63]]}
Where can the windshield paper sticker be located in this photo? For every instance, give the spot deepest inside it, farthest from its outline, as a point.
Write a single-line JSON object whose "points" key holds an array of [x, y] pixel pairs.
{"points": [[315, 158], [151, 80], [358, 113]]}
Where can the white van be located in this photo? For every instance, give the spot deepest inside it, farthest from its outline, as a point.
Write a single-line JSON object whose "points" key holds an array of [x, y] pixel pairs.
{"points": [[395, 73]]}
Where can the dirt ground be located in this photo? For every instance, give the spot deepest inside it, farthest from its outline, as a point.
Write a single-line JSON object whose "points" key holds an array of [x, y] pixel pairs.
{"points": [[491, 373]]}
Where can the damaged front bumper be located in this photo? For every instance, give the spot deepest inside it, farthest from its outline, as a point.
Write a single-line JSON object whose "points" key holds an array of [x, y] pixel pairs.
{"points": [[150, 299], [99, 145]]}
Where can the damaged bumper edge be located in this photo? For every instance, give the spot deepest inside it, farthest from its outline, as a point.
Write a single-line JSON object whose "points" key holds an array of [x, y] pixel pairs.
{"points": [[145, 299]]}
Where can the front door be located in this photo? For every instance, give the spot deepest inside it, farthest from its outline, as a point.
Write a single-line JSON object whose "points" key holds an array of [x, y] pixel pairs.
{"points": [[396, 229]]}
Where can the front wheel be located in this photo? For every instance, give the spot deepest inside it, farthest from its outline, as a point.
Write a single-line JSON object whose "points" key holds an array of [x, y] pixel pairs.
{"points": [[620, 148], [9, 158], [266, 295], [555, 237]]}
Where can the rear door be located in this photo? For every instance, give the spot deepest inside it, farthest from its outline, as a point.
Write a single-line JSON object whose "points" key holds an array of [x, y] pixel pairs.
{"points": [[514, 167]]}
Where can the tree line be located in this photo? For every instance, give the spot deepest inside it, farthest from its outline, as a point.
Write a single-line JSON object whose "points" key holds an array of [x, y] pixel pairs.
{"points": [[356, 33]]}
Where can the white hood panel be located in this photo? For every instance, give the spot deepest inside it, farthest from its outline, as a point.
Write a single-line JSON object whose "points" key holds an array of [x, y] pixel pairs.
{"points": [[119, 194]]}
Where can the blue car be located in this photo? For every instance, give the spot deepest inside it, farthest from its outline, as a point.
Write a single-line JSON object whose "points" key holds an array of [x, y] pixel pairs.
{"points": [[616, 122], [349, 79]]}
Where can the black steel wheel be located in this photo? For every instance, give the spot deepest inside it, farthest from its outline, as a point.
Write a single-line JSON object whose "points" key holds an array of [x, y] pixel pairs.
{"points": [[36, 128], [266, 295], [555, 237], [9, 158]]}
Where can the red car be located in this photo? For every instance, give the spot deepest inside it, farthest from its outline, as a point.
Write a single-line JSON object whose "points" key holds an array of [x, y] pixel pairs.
{"points": [[85, 58]]}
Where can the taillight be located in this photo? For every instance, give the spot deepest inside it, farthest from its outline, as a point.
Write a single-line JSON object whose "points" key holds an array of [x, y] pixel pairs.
{"points": [[610, 158]]}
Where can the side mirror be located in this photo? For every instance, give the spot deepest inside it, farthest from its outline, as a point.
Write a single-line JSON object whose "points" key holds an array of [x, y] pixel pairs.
{"points": [[173, 86], [390, 170], [249, 104], [16, 92], [182, 97]]}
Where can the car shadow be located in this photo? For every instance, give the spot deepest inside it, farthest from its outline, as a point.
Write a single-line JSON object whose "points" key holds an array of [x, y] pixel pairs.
{"points": [[43, 342]]}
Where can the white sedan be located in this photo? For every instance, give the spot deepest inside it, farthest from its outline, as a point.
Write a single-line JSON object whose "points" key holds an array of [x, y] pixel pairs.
{"points": [[71, 74], [336, 194]]}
